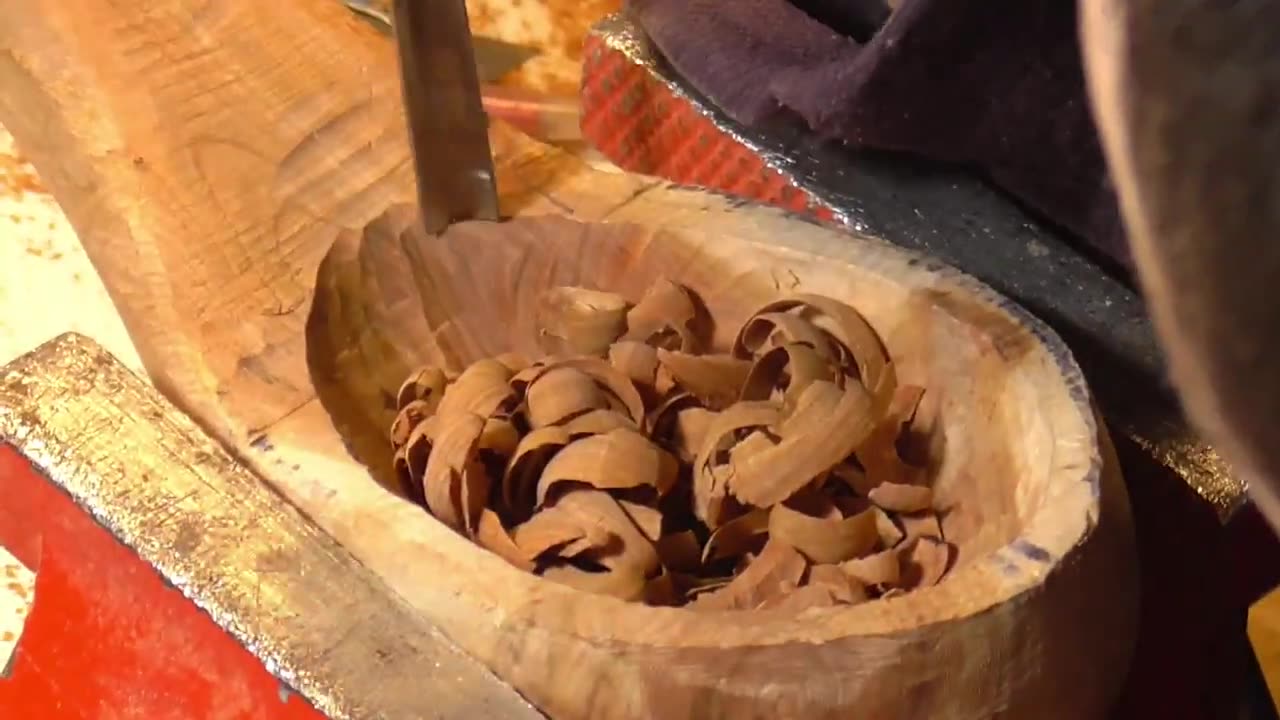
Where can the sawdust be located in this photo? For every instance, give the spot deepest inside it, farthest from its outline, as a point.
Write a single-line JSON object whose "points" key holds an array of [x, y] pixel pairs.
{"points": [[17, 178]]}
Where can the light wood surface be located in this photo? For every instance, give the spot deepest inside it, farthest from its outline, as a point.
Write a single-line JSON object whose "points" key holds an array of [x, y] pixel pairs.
{"points": [[211, 153]]}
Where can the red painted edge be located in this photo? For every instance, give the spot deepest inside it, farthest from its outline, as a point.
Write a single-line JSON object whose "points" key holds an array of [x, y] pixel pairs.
{"points": [[642, 127], [107, 637]]}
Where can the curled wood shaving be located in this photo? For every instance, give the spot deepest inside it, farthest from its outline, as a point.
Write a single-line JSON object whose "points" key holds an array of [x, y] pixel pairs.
{"points": [[844, 587], [768, 330], [901, 498], [664, 318], [646, 519], [808, 447], [736, 537], [520, 481], [410, 416], [499, 436], [889, 532], [580, 321], [856, 342], [622, 584], [776, 571], [425, 386], [450, 467], [561, 394], [557, 528], [680, 551], [482, 389], [823, 540], [492, 536], [716, 380], [879, 454], [800, 599], [924, 562], [601, 511], [636, 360], [619, 386], [710, 486], [616, 460], [921, 524], [630, 462], [882, 569], [597, 422], [791, 367]]}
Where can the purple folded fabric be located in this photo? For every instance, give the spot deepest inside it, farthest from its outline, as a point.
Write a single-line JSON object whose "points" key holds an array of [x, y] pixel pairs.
{"points": [[992, 84]]}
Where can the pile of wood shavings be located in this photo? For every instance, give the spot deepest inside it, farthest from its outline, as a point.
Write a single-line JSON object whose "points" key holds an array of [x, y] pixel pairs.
{"points": [[627, 463]]}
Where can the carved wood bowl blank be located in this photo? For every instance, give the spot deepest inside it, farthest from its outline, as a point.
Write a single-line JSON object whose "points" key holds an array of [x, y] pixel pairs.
{"points": [[1036, 618]]}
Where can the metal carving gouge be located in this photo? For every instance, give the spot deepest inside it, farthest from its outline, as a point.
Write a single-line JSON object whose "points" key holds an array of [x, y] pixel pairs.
{"points": [[448, 128]]}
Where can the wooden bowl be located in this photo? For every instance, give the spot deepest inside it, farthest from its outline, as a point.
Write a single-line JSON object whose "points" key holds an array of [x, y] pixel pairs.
{"points": [[1036, 619]]}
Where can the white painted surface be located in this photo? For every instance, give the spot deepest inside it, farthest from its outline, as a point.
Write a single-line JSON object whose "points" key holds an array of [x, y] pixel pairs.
{"points": [[17, 591], [47, 287]]}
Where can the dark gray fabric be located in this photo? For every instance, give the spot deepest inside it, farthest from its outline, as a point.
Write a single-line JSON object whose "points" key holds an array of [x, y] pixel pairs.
{"points": [[993, 84]]}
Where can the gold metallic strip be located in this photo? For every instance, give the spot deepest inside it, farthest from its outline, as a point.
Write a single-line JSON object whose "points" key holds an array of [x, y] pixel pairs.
{"points": [[317, 619]]}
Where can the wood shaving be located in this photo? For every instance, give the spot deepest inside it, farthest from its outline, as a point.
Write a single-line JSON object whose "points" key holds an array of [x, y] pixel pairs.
{"points": [[636, 461]]}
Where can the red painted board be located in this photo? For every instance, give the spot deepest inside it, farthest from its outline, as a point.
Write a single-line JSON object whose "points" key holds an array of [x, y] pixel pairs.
{"points": [[107, 638]]}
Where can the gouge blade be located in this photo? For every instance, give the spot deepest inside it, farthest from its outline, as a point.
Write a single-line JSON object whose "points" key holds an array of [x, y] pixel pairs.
{"points": [[448, 128], [494, 58]]}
